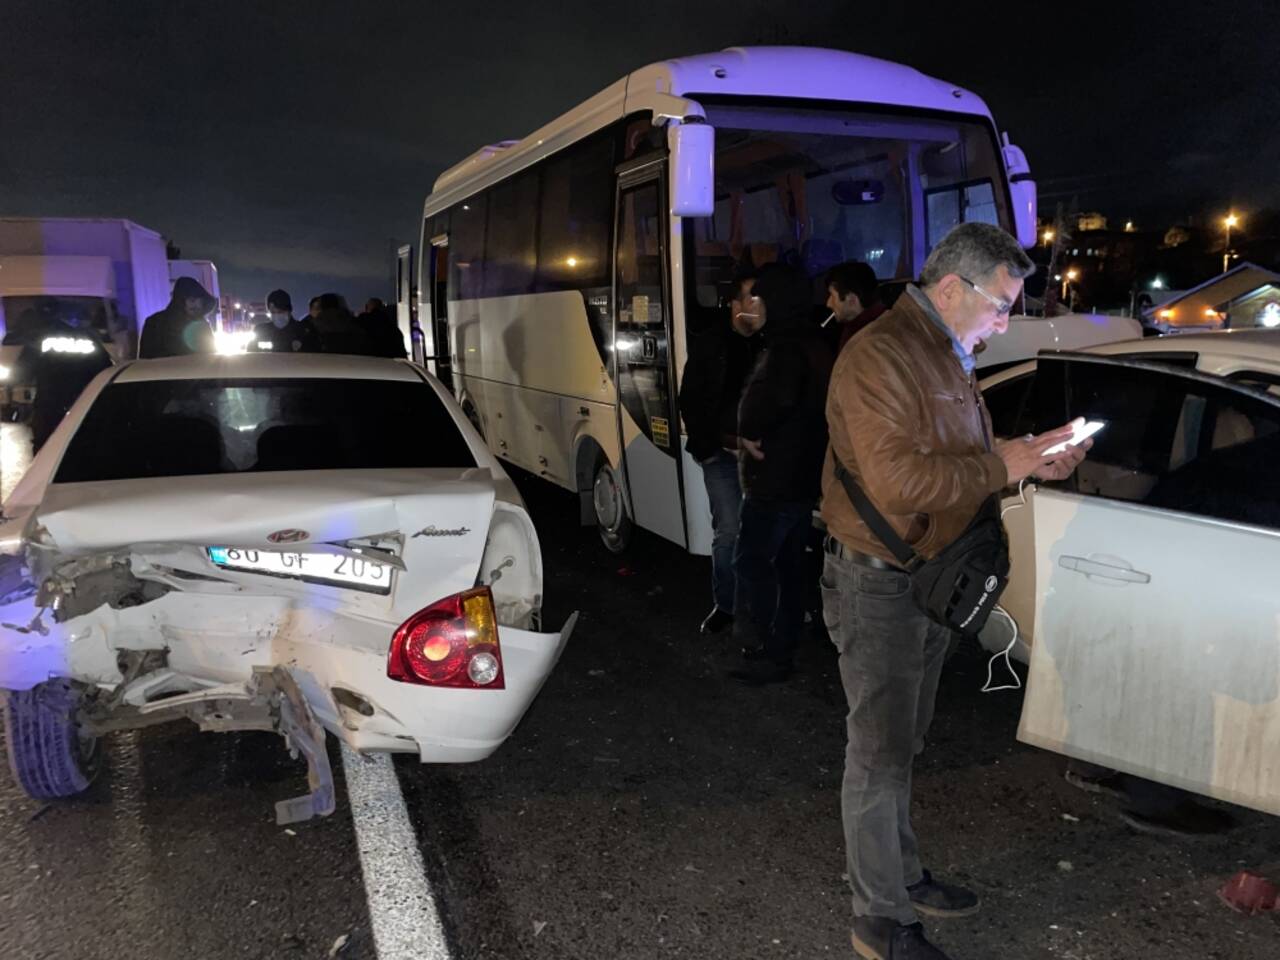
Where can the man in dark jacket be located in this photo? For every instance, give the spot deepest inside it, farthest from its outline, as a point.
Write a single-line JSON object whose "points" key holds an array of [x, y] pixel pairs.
{"points": [[384, 336], [339, 331], [719, 360], [851, 298], [282, 333], [783, 430], [180, 328]]}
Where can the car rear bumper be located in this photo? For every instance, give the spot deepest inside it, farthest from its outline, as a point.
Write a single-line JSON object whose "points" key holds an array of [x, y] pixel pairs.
{"points": [[214, 643]]}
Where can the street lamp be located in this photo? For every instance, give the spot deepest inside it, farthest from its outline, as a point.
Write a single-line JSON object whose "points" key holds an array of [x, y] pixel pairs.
{"points": [[1069, 278], [1048, 237], [1157, 284], [1229, 221]]}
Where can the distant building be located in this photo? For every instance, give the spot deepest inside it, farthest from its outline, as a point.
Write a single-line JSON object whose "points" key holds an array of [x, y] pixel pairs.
{"points": [[1245, 296], [1091, 221]]}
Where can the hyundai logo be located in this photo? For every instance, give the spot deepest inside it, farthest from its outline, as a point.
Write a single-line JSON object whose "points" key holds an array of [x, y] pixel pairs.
{"points": [[288, 536]]}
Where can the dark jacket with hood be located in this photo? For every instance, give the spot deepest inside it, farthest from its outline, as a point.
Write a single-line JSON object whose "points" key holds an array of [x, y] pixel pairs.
{"points": [[385, 338], [171, 332], [783, 405], [719, 361]]}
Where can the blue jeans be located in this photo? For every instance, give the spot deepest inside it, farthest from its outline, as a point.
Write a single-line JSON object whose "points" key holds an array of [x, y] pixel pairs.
{"points": [[891, 657], [720, 473], [770, 566]]}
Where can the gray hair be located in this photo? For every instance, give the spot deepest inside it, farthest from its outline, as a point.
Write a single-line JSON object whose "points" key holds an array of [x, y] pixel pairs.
{"points": [[974, 251]]}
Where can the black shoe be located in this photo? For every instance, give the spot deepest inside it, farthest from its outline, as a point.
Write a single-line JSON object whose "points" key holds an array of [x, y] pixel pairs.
{"points": [[758, 673], [716, 621], [879, 938], [934, 898]]}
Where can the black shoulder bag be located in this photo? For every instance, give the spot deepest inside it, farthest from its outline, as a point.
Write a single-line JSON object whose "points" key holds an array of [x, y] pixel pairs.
{"points": [[960, 586]]}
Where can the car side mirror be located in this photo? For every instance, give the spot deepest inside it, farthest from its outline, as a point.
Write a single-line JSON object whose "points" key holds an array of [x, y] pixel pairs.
{"points": [[691, 169]]}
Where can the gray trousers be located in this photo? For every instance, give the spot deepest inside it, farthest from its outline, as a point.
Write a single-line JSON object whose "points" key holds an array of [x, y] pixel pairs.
{"points": [[891, 657]]}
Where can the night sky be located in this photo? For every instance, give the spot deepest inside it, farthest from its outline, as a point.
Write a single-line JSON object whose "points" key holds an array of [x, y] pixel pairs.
{"points": [[294, 143]]}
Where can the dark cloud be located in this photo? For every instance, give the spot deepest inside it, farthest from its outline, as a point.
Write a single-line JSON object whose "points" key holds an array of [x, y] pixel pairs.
{"points": [[295, 142]]}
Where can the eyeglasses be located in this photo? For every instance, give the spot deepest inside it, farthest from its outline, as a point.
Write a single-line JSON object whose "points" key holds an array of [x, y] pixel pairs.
{"points": [[1002, 306]]}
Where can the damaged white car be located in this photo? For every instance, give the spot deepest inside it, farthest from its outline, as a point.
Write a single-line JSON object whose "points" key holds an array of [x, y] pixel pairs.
{"points": [[299, 544]]}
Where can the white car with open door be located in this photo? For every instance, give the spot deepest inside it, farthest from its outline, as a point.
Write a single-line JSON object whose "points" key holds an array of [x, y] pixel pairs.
{"points": [[1149, 577], [300, 544], [1247, 357]]}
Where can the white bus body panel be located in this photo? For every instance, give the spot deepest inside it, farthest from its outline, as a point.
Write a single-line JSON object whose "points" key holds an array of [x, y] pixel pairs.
{"points": [[530, 369]]}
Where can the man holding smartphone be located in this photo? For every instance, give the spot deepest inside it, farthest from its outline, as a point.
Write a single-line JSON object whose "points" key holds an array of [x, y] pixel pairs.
{"points": [[908, 422]]}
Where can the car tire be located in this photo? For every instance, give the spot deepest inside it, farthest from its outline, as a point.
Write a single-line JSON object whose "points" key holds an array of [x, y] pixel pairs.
{"points": [[610, 506], [47, 756]]}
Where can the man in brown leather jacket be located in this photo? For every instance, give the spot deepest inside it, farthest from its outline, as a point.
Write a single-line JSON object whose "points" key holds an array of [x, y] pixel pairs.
{"points": [[906, 419]]}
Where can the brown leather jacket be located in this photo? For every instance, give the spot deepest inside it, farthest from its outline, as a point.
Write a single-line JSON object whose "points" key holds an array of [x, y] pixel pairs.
{"points": [[910, 425]]}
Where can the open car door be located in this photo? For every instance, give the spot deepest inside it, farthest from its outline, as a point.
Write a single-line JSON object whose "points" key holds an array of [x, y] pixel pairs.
{"points": [[1157, 639]]}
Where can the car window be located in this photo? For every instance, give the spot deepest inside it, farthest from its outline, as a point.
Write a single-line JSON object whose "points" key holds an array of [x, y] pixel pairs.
{"points": [[1175, 441], [176, 428], [1009, 403]]}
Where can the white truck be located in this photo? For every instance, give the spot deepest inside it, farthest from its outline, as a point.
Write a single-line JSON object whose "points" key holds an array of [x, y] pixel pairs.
{"points": [[107, 274]]}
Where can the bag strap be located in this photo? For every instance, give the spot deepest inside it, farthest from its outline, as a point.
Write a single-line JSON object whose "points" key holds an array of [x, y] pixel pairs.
{"points": [[909, 559]]}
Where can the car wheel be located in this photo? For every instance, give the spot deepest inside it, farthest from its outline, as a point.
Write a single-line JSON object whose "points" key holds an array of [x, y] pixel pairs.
{"points": [[47, 755], [610, 508]]}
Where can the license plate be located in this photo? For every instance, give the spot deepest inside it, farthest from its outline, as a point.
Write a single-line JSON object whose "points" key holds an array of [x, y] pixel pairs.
{"points": [[313, 566]]}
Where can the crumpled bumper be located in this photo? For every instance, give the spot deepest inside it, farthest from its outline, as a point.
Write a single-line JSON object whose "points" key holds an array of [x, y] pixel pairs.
{"points": [[337, 659]]}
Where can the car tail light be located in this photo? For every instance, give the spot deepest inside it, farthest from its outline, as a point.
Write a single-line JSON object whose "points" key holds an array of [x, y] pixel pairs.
{"points": [[452, 643]]}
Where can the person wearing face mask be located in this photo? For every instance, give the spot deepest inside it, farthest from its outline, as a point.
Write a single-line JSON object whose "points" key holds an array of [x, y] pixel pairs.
{"points": [[284, 334], [720, 357]]}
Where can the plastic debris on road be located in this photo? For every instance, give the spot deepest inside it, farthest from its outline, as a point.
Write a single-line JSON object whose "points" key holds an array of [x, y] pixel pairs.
{"points": [[1250, 893]]}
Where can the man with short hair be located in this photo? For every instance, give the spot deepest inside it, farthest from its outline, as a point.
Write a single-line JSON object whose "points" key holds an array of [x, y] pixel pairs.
{"points": [[851, 297], [282, 333], [908, 423]]}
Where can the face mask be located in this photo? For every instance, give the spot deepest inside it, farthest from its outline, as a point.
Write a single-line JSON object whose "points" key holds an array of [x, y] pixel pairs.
{"points": [[280, 319]]}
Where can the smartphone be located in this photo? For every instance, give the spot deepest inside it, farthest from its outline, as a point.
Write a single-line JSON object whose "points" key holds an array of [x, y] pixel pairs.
{"points": [[1084, 429]]}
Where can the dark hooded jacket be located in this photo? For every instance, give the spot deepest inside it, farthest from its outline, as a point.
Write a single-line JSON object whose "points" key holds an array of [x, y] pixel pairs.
{"points": [[171, 333], [385, 338], [783, 405]]}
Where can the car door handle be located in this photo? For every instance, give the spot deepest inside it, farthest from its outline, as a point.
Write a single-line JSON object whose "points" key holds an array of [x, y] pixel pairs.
{"points": [[1097, 570]]}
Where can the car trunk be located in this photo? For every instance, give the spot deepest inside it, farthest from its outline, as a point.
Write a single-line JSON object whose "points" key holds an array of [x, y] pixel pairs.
{"points": [[432, 523]]}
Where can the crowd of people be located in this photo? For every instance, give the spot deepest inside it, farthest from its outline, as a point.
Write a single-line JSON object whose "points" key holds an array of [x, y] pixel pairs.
{"points": [[67, 350], [329, 326], [881, 423]]}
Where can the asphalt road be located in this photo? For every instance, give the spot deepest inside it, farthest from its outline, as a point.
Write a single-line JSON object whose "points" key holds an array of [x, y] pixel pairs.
{"points": [[646, 807]]}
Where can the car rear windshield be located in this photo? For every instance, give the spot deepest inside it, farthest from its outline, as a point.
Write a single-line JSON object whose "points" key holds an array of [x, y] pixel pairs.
{"points": [[181, 428]]}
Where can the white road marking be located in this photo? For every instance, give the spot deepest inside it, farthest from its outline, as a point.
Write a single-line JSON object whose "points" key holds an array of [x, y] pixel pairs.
{"points": [[406, 924]]}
